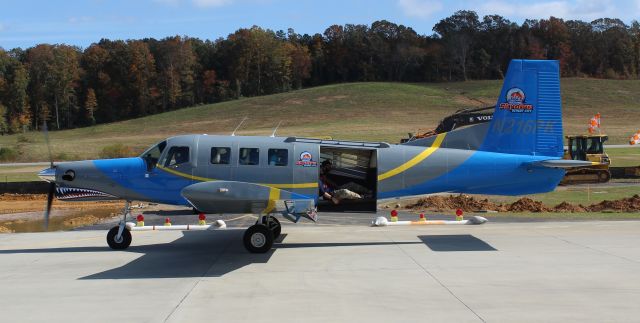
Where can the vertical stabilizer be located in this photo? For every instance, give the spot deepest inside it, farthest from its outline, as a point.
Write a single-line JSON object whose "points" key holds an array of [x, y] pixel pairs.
{"points": [[528, 115]]}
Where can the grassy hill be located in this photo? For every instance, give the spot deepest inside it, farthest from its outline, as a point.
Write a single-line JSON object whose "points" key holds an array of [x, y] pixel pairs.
{"points": [[368, 111]]}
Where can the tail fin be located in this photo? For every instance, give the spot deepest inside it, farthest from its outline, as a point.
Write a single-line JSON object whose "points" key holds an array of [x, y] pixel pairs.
{"points": [[528, 117]]}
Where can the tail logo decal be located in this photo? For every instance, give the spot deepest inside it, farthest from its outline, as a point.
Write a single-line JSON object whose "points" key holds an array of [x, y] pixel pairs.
{"points": [[516, 102]]}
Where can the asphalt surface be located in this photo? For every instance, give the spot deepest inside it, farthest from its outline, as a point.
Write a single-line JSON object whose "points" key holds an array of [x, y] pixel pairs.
{"points": [[496, 272]]}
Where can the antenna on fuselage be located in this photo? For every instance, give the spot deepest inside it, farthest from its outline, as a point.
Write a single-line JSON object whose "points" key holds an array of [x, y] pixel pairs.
{"points": [[240, 124], [273, 134]]}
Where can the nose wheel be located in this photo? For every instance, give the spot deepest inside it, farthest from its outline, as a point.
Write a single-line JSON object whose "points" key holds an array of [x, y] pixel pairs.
{"points": [[118, 243], [119, 237]]}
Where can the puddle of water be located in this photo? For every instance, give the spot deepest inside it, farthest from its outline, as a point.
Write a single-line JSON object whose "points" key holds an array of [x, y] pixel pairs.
{"points": [[61, 223]]}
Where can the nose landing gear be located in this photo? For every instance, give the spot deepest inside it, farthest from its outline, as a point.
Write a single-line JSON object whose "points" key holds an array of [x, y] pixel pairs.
{"points": [[119, 237]]}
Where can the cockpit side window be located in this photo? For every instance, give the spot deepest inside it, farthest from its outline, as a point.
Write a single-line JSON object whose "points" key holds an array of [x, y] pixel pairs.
{"points": [[177, 155], [152, 155]]}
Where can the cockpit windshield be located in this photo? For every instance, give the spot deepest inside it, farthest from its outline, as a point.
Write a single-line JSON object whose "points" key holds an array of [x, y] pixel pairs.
{"points": [[152, 155]]}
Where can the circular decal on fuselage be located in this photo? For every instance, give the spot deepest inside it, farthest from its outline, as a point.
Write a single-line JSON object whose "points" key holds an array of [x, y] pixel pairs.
{"points": [[306, 160]]}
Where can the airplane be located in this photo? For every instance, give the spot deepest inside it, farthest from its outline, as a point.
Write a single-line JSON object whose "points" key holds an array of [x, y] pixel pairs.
{"points": [[518, 152]]}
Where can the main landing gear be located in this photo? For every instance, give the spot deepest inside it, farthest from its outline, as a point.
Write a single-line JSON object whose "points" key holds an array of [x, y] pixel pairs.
{"points": [[119, 237], [259, 237]]}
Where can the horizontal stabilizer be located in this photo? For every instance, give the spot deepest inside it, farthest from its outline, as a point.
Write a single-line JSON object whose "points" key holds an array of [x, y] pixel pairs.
{"points": [[564, 163]]}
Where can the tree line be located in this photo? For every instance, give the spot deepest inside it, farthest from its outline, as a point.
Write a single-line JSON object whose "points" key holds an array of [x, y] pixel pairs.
{"points": [[66, 86]]}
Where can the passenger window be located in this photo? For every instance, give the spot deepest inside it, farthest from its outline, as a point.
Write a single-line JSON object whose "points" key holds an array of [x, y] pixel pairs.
{"points": [[249, 156], [176, 156], [220, 155], [278, 157]]}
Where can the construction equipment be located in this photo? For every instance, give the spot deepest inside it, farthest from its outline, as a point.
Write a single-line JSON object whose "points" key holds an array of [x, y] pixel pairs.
{"points": [[460, 118], [588, 148]]}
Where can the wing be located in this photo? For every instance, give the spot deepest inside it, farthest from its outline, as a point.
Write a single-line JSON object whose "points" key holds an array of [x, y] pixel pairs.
{"points": [[243, 197]]}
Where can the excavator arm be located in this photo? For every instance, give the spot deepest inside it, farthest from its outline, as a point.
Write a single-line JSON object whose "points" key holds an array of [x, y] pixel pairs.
{"points": [[461, 118]]}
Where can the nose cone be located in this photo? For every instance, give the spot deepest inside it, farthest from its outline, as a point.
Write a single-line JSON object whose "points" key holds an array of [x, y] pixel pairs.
{"points": [[48, 174]]}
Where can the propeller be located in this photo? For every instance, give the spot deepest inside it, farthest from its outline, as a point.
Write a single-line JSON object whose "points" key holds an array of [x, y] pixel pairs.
{"points": [[52, 185]]}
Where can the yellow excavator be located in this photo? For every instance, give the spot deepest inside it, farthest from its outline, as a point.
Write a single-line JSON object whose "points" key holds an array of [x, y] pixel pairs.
{"points": [[588, 148]]}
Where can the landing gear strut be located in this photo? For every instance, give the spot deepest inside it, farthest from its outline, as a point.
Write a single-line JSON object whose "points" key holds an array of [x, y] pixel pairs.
{"points": [[273, 225], [259, 237], [119, 237]]}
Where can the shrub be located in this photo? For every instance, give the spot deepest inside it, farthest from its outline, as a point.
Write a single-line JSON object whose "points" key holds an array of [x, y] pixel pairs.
{"points": [[611, 74], [116, 151], [7, 154], [24, 139]]}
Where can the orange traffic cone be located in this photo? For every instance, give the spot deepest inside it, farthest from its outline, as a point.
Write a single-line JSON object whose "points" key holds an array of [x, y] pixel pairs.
{"points": [[167, 222], [202, 219]]}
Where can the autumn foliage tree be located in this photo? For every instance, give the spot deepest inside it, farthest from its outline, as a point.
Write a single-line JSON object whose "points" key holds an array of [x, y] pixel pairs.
{"points": [[111, 80]]}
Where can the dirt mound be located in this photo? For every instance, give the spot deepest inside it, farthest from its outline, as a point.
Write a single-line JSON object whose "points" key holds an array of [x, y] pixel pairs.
{"points": [[452, 202], [526, 204], [5, 230], [565, 207], [630, 204], [469, 204]]}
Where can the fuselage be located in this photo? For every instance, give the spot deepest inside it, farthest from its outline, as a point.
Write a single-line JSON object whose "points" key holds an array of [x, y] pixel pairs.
{"points": [[292, 164]]}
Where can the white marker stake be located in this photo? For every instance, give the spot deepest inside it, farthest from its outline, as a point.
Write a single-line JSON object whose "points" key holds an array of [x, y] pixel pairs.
{"points": [[218, 224], [382, 222]]}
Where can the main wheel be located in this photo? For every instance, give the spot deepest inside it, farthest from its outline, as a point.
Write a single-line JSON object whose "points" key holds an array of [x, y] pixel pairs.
{"points": [[274, 226], [118, 244], [258, 239]]}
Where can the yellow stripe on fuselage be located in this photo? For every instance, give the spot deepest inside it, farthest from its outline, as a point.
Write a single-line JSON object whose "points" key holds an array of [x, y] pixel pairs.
{"points": [[415, 160], [410, 163], [204, 179], [185, 175], [274, 195]]}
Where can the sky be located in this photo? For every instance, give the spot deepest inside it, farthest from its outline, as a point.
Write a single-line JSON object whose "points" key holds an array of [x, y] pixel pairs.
{"points": [[25, 23]]}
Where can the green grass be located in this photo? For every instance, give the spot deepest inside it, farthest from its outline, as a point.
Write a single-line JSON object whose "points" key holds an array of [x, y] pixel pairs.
{"points": [[585, 195], [622, 157], [367, 111], [20, 173]]}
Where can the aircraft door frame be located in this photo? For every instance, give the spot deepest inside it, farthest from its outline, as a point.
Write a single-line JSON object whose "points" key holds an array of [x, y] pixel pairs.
{"points": [[306, 169]]}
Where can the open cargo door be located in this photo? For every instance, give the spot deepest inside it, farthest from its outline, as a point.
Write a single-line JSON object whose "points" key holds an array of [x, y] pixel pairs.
{"points": [[350, 177]]}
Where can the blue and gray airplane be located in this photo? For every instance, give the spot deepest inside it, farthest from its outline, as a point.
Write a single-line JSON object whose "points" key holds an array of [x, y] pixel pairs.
{"points": [[518, 152]]}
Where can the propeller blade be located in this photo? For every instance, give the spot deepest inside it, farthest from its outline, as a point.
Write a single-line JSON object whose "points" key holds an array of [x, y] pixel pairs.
{"points": [[47, 211], [46, 140]]}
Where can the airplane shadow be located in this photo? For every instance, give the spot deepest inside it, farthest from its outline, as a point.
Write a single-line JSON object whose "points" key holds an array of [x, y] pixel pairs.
{"points": [[195, 254], [457, 242], [203, 254]]}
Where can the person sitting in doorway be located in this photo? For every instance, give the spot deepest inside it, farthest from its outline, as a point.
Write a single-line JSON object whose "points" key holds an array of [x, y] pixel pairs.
{"points": [[330, 191]]}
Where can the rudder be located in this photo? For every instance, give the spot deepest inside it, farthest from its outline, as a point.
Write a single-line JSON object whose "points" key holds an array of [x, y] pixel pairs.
{"points": [[528, 114]]}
